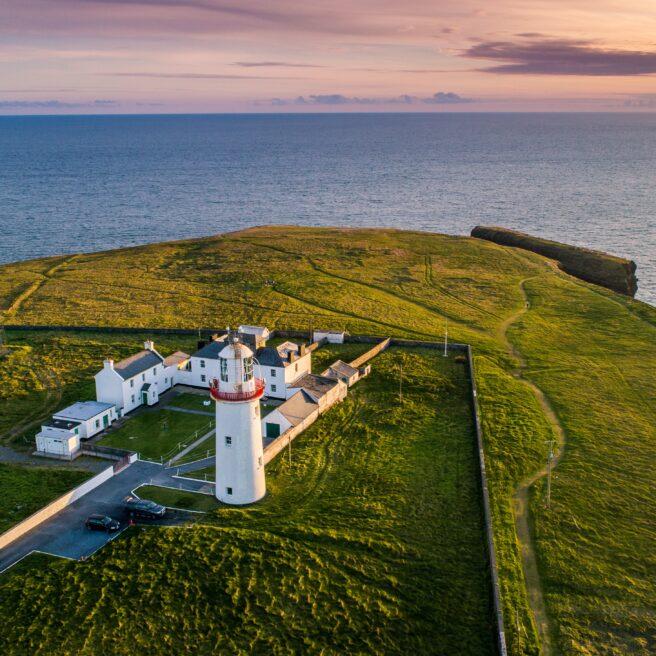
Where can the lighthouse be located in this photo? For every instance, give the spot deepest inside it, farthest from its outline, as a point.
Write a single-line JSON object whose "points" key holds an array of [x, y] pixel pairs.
{"points": [[239, 456]]}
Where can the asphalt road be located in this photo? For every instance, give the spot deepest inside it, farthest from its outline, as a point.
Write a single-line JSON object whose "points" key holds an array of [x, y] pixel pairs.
{"points": [[65, 534]]}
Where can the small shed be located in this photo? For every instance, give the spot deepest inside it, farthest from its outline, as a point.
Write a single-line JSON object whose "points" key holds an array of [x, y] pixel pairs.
{"points": [[299, 408], [92, 416], [340, 370], [331, 336], [59, 438]]}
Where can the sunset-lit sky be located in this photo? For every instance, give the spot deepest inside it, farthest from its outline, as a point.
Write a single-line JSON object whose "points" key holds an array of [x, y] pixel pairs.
{"points": [[157, 56]]}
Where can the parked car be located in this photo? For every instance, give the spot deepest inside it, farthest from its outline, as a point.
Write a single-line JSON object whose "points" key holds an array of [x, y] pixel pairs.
{"points": [[136, 507], [102, 523]]}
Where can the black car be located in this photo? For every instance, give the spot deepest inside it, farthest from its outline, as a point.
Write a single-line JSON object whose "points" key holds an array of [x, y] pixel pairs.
{"points": [[102, 523], [143, 508]]}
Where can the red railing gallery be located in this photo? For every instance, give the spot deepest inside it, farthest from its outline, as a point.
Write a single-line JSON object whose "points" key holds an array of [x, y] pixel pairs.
{"points": [[219, 395]]}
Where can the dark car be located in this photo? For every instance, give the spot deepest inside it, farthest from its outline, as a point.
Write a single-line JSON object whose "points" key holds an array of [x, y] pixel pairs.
{"points": [[143, 508], [102, 523]]}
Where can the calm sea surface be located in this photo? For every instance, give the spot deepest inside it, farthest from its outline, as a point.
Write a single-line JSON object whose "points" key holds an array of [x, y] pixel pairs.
{"points": [[70, 184]]}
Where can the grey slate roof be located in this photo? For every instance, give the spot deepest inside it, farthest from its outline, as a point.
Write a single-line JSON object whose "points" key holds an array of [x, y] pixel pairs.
{"points": [[317, 385], [269, 357], [211, 351], [298, 407], [83, 410], [340, 369], [137, 363]]}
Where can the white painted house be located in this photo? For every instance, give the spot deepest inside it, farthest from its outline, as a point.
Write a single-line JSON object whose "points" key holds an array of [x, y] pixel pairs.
{"points": [[175, 369], [203, 365], [59, 438], [92, 417], [281, 365], [331, 336], [135, 381]]}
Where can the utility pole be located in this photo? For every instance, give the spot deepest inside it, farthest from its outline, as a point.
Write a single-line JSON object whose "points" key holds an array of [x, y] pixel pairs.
{"points": [[549, 459], [289, 443], [446, 337]]}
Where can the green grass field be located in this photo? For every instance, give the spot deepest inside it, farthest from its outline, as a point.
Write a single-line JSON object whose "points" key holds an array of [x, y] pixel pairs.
{"points": [[371, 543], [158, 433], [180, 499], [192, 402], [589, 351], [27, 489]]}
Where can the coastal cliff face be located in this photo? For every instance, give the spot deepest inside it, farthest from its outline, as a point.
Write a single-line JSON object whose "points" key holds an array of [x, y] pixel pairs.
{"points": [[602, 269]]}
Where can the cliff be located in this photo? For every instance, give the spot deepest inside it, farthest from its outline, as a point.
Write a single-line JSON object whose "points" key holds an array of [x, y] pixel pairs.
{"points": [[602, 269]]}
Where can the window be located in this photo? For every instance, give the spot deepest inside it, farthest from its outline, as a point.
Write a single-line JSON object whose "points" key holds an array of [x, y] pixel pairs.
{"points": [[166, 381], [143, 377], [202, 364], [133, 398], [132, 382], [273, 373], [155, 371], [259, 461], [228, 440], [76, 431], [224, 369], [202, 378], [273, 388], [248, 369], [97, 423], [229, 491]]}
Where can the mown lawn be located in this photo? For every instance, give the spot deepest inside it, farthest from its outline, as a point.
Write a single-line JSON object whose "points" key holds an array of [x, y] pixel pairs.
{"points": [[180, 499], [26, 489], [158, 433], [372, 542], [192, 402]]}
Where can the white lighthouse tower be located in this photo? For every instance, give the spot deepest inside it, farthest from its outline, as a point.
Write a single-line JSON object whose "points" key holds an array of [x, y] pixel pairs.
{"points": [[239, 456]]}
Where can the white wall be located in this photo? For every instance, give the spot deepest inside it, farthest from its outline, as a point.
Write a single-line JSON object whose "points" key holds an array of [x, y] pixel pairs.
{"points": [[276, 417], [53, 508], [209, 370], [109, 388]]}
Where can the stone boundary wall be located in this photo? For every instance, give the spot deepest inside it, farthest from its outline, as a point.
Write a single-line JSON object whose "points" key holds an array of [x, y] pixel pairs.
{"points": [[273, 449], [372, 353], [494, 572], [54, 507]]}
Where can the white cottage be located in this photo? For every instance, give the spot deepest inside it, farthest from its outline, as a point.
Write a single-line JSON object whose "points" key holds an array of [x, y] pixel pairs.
{"points": [[281, 365], [91, 416], [203, 365], [135, 381]]}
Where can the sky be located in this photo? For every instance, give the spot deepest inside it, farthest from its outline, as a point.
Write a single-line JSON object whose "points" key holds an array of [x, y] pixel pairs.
{"points": [[177, 56]]}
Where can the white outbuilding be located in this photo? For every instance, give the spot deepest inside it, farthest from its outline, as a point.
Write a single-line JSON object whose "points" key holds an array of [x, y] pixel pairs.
{"points": [[340, 370], [92, 417], [59, 438], [324, 391], [331, 336], [300, 408]]}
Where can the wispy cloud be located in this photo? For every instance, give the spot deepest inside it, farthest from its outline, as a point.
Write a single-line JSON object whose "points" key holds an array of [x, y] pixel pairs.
{"points": [[56, 104], [561, 57], [274, 64], [439, 98], [198, 76]]}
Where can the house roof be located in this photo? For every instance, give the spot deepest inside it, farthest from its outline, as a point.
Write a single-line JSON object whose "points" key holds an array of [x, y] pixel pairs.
{"points": [[83, 410], [278, 356], [340, 369], [137, 363], [63, 424], [298, 407], [211, 351], [175, 358], [318, 386]]}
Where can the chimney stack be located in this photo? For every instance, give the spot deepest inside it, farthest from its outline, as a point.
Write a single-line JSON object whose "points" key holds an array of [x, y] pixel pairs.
{"points": [[108, 363], [149, 345]]}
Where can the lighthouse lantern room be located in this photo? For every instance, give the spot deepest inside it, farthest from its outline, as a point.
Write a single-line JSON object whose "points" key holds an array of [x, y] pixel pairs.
{"points": [[239, 455]]}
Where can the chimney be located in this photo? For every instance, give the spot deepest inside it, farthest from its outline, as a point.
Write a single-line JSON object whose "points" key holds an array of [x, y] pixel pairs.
{"points": [[108, 364], [149, 345], [292, 356], [302, 350]]}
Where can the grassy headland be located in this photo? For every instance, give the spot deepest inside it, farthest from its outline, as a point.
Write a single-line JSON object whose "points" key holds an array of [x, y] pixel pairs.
{"points": [[589, 350]]}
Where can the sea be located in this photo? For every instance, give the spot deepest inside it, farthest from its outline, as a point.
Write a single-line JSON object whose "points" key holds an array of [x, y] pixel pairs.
{"points": [[88, 183]]}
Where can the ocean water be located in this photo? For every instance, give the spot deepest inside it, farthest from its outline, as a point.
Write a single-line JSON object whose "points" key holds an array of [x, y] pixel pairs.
{"points": [[71, 184]]}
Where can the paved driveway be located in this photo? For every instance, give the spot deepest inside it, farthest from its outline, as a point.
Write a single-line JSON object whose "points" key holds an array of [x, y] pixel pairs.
{"points": [[65, 534]]}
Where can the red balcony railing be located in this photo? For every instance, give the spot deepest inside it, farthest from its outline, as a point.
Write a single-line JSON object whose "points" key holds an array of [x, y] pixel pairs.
{"points": [[219, 395]]}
